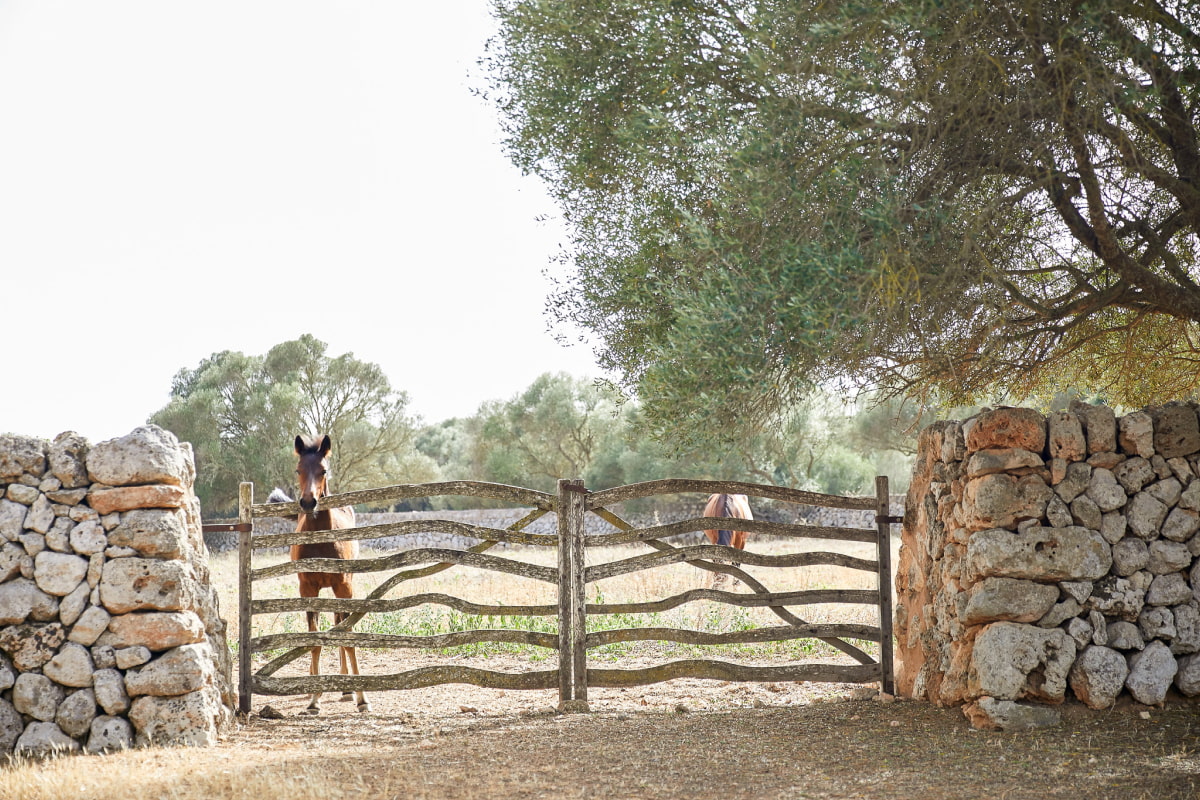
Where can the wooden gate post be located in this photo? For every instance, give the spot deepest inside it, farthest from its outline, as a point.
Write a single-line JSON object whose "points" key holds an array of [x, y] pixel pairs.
{"points": [[572, 619], [883, 522], [246, 520]]}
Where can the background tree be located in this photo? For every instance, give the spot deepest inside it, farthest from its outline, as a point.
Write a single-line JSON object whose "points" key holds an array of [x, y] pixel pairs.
{"points": [[950, 198], [242, 413]]}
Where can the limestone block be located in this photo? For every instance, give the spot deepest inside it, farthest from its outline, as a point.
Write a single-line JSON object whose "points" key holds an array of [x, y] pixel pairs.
{"points": [[8, 675], [67, 459], [152, 533], [185, 669], [40, 516], [1039, 554], [1133, 474], [1124, 635], [12, 519], [1009, 459], [132, 584], [1176, 430], [1011, 661], [1136, 434], [130, 657], [1187, 680], [73, 605], [1114, 596], [155, 630], [1008, 427], [1157, 622], [21, 455], [109, 734], [1001, 501], [1146, 514], [1104, 489], [1081, 631], [43, 739], [1060, 613], [109, 688], [1187, 628], [1130, 555], [1099, 426], [1057, 513], [21, 599], [1098, 676], [24, 495], [990, 714], [75, 714], [1150, 673], [37, 696], [11, 726], [147, 455], [1182, 470], [58, 573], [190, 719], [128, 498], [1075, 481], [91, 624], [1167, 491], [1085, 512], [1190, 498], [30, 646], [1181, 524], [71, 666], [1167, 556], [1169, 590], [995, 599], [1065, 436], [1113, 526], [88, 537]]}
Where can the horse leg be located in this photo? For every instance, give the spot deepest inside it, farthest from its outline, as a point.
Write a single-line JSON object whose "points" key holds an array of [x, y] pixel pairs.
{"points": [[349, 657], [314, 700]]}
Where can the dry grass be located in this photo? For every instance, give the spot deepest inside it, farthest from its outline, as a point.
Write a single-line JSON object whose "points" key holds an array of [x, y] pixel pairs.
{"points": [[683, 739]]}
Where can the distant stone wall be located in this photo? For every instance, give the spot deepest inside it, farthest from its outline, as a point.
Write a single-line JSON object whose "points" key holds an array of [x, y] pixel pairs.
{"points": [[110, 634], [1047, 556]]}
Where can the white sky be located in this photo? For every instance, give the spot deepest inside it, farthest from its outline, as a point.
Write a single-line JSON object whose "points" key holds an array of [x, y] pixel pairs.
{"points": [[180, 178]]}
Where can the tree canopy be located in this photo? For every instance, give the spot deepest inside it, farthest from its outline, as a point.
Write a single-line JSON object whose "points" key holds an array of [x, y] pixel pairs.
{"points": [[949, 198], [242, 414]]}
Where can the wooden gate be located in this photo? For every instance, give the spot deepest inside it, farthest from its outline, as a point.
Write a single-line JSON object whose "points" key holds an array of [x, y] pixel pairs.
{"points": [[571, 504]]}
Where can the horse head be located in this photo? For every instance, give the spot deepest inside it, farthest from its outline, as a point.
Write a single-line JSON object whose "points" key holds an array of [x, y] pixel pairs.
{"points": [[312, 471]]}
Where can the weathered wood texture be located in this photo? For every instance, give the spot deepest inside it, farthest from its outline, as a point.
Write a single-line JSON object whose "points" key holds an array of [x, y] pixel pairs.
{"points": [[634, 491], [572, 502], [245, 595]]}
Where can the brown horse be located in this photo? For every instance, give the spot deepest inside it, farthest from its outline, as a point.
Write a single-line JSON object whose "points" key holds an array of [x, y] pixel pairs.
{"points": [[312, 470], [727, 505]]}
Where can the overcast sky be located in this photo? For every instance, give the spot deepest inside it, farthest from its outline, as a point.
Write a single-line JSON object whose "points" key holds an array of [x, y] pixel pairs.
{"points": [[181, 178]]}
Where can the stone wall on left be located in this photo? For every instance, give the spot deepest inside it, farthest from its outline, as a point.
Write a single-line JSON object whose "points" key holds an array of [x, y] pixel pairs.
{"points": [[110, 632]]}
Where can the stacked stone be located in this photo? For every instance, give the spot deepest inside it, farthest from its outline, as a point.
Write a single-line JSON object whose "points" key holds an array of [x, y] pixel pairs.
{"points": [[109, 627], [1046, 554]]}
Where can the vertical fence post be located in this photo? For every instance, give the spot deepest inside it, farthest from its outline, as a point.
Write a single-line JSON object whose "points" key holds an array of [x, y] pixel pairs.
{"points": [[572, 622], [884, 527], [246, 520]]}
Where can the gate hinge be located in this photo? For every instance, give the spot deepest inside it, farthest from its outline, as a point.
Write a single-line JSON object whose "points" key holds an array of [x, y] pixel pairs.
{"points": [[889, 520]]}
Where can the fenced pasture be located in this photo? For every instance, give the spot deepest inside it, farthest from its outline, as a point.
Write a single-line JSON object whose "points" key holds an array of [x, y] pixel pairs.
{"points": [[594, 596]]}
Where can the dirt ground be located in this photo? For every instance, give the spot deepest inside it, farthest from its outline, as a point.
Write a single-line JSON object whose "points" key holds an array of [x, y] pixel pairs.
{"points": [[706, 739]]}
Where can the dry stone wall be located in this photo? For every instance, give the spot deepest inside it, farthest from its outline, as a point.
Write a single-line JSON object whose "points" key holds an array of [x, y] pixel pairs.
{"points": [[1045, 557], [110, 634]]}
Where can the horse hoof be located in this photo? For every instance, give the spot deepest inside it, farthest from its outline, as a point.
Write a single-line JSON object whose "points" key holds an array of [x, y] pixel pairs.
{"points": [[364, 708], [312, 711]]}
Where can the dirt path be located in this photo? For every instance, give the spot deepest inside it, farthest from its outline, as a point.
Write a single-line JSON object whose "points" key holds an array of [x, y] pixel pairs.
{"points": [[703, 739]]}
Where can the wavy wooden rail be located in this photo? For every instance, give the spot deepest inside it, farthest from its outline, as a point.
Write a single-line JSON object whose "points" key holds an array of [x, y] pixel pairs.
{"points": [[384, 641], [407, 528], [636, 491], [753, 636], [712, 551], [758, 527], [798, 598], [409, 491], [419, 555], [725, 671], [413, 679]]}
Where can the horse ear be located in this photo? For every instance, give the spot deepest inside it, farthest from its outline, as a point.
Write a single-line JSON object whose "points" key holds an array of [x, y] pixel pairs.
{"points": [[300, 445], [326, 446]]}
